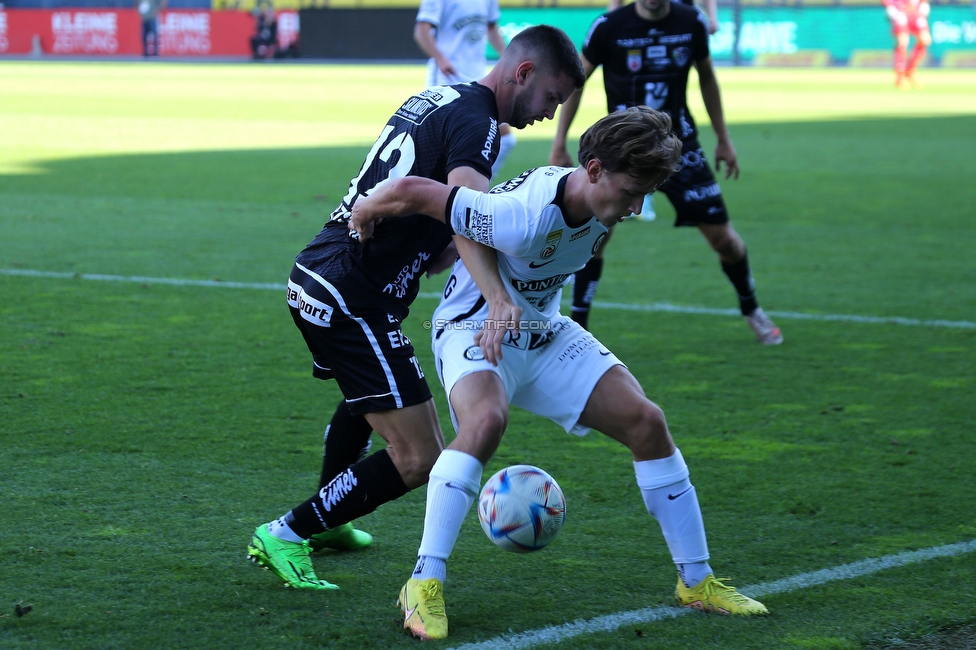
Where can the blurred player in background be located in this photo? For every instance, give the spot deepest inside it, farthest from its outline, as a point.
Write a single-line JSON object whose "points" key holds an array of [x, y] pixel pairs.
{"points": [[647, 49], [908, 18], [545, 225], [710, 7], [348, 298], [454, 33]]}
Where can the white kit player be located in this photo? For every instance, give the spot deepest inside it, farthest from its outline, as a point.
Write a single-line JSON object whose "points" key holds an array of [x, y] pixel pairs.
{"points": [[545, 225], [454, 34]]}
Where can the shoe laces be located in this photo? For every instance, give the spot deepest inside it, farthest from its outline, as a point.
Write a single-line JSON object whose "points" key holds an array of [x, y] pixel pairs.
{"points": [[297, 553], [717, 587], [434, 600]]}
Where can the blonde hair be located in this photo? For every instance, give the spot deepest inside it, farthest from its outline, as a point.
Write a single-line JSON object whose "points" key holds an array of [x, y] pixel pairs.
{"points": [[637, 140]]}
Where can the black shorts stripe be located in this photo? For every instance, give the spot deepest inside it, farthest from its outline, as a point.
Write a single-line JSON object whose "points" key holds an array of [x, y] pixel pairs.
{"points": [[370, 336]]}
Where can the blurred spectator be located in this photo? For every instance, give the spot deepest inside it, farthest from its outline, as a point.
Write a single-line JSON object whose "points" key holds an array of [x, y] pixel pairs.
{"points": [[149, 12], [264, 43]]}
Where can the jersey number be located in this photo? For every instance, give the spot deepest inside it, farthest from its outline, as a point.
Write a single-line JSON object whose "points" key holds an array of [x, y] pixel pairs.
{"points": [[385, 150]]}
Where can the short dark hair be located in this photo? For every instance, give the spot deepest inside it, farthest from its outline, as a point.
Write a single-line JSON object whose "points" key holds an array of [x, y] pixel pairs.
{"points": [[637, 140], [552, 51]]}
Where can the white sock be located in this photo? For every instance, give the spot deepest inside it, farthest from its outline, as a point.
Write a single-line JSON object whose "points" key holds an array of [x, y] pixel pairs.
{"points": [[278, 528], [454, 482], [430, 567], [693, 573], [670, 498], [505, 146]]}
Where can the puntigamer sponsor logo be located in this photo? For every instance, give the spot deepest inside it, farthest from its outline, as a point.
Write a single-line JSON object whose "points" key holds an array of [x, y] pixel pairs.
{"points": [[538, 285], [4, 42], [184, 33], [86, 32]]}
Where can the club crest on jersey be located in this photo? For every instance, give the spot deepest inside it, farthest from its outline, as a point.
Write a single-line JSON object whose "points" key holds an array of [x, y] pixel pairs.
{"points": [[552, 243], [681, 56], [634, 60]]}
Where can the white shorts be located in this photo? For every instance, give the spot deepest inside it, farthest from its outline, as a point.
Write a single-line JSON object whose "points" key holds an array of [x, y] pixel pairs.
{"points": [[551, 378]]}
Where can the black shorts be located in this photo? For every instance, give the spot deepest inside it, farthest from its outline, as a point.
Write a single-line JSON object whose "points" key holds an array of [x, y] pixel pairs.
{"points": [[358, 343], [693, 190]]}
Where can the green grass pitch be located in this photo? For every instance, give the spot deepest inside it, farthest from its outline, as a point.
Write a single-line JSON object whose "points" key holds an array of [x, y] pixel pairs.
{"points": [[147, 428]]}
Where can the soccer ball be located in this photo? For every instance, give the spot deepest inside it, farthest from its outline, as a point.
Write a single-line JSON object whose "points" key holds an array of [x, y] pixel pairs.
{"points": [[521, 508]]}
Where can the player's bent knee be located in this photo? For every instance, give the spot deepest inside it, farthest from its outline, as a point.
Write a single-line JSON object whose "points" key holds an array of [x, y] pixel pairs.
{"points": [[486, 420], [648, 435], [480, 432]]}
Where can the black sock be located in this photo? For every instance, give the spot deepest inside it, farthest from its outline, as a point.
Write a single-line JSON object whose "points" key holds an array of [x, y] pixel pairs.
{"points": [[584, 288], [346, 443], [358, 491], [740, 276]]}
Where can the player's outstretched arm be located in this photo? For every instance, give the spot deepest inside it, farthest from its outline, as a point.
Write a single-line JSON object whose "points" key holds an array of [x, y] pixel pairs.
{"points": [[415, 195], [396, 198]]}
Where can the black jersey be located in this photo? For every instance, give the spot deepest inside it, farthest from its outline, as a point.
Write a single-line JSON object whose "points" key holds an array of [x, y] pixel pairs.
{"points": [[647, 62], [433, 133]]}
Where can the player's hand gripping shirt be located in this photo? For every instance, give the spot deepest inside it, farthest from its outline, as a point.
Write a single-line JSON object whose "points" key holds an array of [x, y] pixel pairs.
{"points": [[537, 251], [648, 62], [434, 132], [461, 33]]}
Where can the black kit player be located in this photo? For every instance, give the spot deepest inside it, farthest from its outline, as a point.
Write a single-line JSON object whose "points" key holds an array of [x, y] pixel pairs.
{"points": [[349, 298], [647, 49], [710, 7]]}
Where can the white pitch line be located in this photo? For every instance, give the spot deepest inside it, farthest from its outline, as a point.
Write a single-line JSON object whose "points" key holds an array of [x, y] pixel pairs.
{"points": [[612, 622], [619, 306], [141, 280]]}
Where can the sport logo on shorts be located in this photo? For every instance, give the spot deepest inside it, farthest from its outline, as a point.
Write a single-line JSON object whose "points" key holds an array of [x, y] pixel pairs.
{"points": [[315, 312]]}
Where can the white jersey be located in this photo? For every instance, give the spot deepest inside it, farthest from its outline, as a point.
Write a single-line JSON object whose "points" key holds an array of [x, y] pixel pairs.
{"points": [[461, 33], [538, 252]]}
